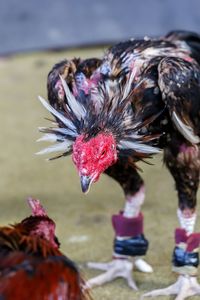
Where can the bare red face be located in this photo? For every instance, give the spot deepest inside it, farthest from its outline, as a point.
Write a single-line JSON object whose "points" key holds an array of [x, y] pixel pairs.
{"points": [[93, 157]]}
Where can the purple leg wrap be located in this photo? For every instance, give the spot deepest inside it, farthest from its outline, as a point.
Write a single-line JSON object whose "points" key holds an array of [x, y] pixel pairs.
{"points": [[129, 227], [192, 241], [185, 256], [180, 236]]}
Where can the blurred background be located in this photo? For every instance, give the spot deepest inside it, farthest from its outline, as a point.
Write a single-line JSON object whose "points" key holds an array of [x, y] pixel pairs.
{"points": [[47, 24], [34, 35]]}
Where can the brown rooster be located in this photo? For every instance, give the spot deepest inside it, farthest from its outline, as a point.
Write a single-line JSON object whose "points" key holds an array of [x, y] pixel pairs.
{"points": [[141, 97], [31, 265]]}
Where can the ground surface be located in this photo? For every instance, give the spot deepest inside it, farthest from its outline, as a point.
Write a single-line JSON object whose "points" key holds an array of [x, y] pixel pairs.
{"points": [[83, 222]]}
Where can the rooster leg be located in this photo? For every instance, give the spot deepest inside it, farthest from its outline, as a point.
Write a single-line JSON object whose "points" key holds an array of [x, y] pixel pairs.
{"points": [[129, 240], [183, 162]]}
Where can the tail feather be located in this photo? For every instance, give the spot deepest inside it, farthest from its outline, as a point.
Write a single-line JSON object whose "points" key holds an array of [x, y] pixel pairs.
{"points": [[185, 130]]}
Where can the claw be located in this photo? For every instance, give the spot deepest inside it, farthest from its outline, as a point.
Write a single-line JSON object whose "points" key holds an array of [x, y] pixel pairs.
{"points": [[184, 287], [114, 269], [99, 266], [142, 266]]}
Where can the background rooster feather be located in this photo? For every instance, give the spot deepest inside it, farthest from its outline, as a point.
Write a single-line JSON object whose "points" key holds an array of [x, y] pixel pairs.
{"points": [[31, 265], [112, 112]]}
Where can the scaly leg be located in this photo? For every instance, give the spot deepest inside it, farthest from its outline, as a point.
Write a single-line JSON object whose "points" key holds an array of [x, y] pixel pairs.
{"points": [[184, 167], [129, 240]]}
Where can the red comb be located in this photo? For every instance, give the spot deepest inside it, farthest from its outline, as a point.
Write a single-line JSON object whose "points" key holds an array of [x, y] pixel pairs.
{"points": [[36, 208]]}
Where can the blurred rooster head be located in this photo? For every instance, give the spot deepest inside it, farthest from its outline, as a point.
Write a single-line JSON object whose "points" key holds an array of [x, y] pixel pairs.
{"points": [[39, 224], [96, 128]]}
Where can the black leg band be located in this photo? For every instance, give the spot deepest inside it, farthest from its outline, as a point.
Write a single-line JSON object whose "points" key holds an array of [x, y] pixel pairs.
{"points": [[183, 258], [134, 246]]}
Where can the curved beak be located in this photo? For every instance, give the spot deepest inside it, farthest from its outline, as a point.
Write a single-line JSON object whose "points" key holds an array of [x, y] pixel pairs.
{"points": [[85, 183]]}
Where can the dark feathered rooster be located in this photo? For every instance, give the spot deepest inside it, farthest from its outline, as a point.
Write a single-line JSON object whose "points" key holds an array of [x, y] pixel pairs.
{"points": [[31, 265], [141, 97]]}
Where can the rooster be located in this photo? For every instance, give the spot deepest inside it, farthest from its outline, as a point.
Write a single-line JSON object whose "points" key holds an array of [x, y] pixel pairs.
{"points": [[31, 264], [142, 96]]}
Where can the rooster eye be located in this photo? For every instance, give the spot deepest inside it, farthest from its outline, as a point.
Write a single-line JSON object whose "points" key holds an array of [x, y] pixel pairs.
{"points": [[103, 153]]}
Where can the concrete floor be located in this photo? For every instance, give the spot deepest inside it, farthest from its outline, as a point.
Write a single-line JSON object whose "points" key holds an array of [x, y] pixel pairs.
{"points": [[83, 222]]}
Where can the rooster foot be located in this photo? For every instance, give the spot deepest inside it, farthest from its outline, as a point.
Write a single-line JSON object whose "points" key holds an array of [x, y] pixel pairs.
{"points": [[115, 269], [184, 287]]}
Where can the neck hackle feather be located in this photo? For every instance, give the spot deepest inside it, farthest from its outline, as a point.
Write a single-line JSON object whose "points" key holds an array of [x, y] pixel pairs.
{"points": [[108, 109]]}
